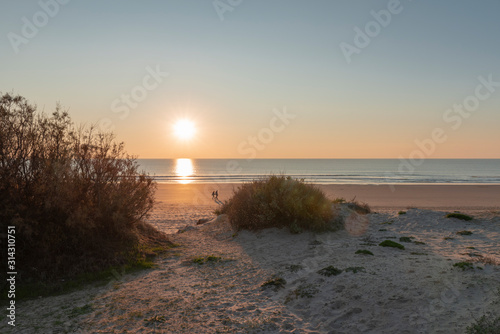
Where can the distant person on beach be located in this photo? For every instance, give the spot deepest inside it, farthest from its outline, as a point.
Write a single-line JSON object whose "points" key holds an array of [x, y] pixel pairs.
{"points": [[216, 194], [213, 194]]}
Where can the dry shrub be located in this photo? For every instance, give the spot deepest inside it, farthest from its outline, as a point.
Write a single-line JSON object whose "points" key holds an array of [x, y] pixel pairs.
{"points": [[279, 201], [359, 207], [76, 198]]}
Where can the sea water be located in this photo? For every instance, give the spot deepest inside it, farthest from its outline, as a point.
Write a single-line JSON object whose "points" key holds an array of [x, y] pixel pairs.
{"points": [[326, 171]]}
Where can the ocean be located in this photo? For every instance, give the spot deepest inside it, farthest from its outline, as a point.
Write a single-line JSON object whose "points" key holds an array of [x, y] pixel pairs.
{"points": [[326, 171]]}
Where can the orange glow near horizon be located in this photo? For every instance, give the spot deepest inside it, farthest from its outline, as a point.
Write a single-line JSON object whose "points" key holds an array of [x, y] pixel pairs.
{"points": [[184, 169]]}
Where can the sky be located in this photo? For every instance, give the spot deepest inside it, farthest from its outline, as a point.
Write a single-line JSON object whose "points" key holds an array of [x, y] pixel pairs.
{"points": [[265, 79]]}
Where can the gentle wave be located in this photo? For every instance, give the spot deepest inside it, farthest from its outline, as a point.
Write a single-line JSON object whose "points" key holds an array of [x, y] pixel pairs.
{"points": [[325, 171]]}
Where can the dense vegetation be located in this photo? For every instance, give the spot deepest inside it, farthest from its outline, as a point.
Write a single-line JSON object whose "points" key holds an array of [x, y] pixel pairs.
{"points": [[280, 201], [76, 199]]}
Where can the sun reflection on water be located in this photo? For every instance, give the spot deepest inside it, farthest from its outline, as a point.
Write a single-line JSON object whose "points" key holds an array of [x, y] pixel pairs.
{"points": [[184, 169]]}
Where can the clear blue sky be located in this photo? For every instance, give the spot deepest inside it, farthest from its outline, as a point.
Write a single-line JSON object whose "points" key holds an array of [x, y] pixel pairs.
{"points": [[228, 75]]}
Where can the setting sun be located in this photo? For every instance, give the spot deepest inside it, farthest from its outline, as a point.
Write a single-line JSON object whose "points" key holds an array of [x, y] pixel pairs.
{"points": [[184, 129]]}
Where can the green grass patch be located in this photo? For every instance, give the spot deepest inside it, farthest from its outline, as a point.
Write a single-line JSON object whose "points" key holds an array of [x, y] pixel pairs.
{"points": [[419, 243], [302, 291], [364, 251], [471, 247], [329, 271], [390, 243], [355, 270], [464, 232], [460, 216], [275, 283], [207, 259], [402, 213], [464, 265], [140, 258], [448, 238], [406, 239]]}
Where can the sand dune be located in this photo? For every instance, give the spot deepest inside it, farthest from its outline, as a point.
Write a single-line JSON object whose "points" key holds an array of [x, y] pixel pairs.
{"points": [[416, 290]]}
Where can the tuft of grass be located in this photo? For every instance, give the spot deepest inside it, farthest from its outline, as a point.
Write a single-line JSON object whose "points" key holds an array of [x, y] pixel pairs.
{"points": [[460, 216], [402, 213], [464, 232], [464, 265], [387, 222], [275, 283], [382, 230], [448, 238], [364, 251], [390, 243], [487, 324], [280, 201], [339, 200], [471, 247], [206, 259], [419, 243], [329, 271], [355, 270], [303, 291], [406, 239]]}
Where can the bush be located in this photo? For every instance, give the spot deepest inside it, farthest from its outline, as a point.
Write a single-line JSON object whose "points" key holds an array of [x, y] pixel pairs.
{"points": [[390, 243], [464, 265], [460, 216], [280, 201], [76, 198], [330, 271]]}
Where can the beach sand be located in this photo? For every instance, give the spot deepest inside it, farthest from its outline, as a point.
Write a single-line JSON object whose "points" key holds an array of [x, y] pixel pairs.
{"points": [[415, 290]]}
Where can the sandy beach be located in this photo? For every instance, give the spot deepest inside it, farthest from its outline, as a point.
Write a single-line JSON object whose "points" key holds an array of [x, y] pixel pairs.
{"points": [[213, 282], [443, 197]]}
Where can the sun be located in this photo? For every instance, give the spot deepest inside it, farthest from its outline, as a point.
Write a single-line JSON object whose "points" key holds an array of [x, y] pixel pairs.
{"points": [[184, 129]]}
